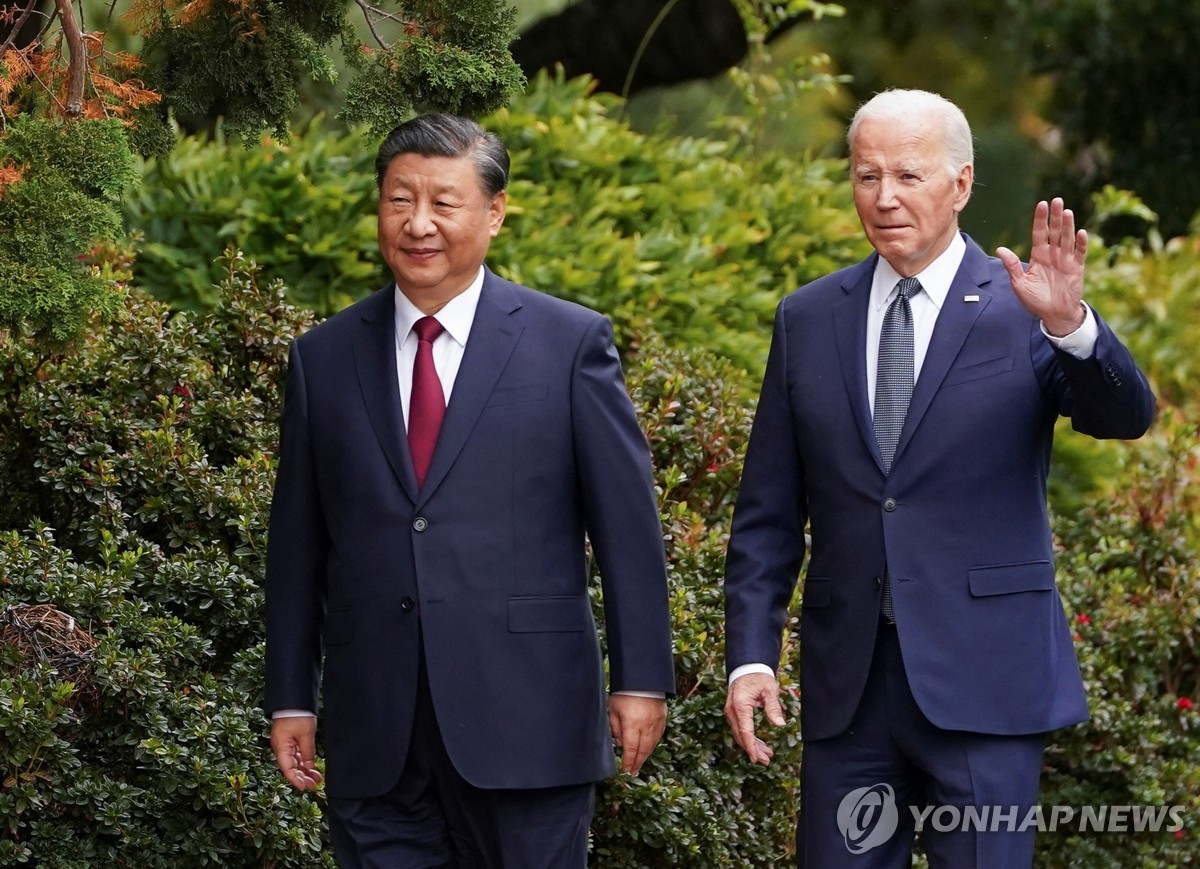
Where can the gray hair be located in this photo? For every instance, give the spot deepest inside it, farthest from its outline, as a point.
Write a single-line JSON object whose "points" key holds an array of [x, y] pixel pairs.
{"points": [[441, 135], [904, 105]]}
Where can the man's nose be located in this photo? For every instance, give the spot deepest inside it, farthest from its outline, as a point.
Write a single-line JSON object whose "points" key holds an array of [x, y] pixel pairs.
{"points": [[420, 221], [885, 196]]}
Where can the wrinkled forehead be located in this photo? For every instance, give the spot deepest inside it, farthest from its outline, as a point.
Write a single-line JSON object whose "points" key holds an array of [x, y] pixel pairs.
{"points": [[892, 143]]}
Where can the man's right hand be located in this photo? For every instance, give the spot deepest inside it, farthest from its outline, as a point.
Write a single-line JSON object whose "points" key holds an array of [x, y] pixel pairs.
{"points": [[294, 742], [747, 693]]}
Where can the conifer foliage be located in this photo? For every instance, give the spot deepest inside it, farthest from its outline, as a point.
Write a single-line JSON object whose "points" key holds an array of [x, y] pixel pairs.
{"points": [[72, 111]]}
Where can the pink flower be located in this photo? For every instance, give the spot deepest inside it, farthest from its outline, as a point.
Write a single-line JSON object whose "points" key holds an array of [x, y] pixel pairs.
{"points": [[1185, 703], [1083, 619]]}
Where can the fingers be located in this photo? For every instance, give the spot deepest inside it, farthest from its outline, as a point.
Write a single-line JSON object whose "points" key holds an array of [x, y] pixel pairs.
{"points": [[293, 741], [1041, 222], [1054, 225], [637, 725], [747, 693]]}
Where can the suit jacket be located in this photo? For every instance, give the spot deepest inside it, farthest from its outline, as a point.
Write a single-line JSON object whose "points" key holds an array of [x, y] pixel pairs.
{"points": [[961, 520], [485, 565]]}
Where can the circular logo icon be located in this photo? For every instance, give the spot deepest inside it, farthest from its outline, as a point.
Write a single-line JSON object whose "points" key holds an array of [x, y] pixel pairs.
{"points": [[867, 817]]}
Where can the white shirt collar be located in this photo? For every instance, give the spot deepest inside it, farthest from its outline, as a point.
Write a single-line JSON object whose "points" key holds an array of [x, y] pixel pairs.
{"points": [[935, 278], [456, 316]]}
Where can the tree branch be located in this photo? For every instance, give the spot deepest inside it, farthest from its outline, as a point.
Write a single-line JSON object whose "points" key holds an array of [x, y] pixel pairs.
{"points": [[78, 66], [370, 13], [17, 25]]}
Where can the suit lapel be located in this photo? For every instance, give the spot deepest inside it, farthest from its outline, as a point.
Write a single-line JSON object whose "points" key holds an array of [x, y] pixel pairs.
{"points": [[494, 334], [375, 360], [850, 325], [954, 324]]}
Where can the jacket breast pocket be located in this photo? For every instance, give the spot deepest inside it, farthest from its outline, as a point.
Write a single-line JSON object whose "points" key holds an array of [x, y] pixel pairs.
{"points": [[817, 592], [1011, 578], [978, 370], [515, 394], [555, 613]]}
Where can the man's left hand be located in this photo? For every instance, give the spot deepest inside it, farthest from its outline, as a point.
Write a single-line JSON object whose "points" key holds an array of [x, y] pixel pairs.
{"points": [[637, 724], [1052, 287]]}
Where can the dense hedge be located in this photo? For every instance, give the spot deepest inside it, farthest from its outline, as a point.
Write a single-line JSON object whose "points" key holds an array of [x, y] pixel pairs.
{"points": [[689, 235], [137, 473], [1130, 567], [130, 672]]}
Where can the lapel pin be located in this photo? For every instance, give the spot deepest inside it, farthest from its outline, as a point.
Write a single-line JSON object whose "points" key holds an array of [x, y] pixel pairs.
{"points": [[971, 298]]}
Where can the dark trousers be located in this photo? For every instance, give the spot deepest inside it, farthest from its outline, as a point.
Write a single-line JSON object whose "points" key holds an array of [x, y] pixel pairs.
{"points": [[858, 789], [433, 817]]}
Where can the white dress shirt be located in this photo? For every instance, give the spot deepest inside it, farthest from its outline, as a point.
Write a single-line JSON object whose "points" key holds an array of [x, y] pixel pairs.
{"points": [[456, 317], [935, 286]]}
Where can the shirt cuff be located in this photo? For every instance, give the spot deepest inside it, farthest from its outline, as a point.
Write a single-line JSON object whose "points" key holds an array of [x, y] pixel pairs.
{"points": [[653, 695], [1082, 342], [292, 713], [747, 669]]}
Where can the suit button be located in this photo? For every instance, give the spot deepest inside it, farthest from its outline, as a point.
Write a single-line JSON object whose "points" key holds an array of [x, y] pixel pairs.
{"points": [[889, 504], [420, 523], [407, 603], [878, 583]]}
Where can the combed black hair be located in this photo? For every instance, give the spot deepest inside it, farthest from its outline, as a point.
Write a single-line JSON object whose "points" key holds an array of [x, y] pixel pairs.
{"points": [[442, 135]]}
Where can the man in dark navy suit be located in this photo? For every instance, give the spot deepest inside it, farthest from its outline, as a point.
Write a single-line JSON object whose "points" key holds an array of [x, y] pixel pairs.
{"points": [[447, 444], [906, 418]]}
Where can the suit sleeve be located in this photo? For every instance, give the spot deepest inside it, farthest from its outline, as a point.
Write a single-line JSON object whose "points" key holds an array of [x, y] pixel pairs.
{"points": [[767, 544], [623, 523], [297, 550], [1105, 395]]}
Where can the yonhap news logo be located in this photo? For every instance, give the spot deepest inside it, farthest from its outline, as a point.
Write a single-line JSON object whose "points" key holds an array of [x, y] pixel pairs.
{"points": [[868, 817]]}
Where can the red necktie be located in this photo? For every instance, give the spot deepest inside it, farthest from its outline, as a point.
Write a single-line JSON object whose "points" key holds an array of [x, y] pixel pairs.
{"points": [[427, 404]]}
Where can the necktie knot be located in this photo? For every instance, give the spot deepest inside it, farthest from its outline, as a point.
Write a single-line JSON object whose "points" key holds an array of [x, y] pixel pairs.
{"points": [[906, 288], [427, 329]]}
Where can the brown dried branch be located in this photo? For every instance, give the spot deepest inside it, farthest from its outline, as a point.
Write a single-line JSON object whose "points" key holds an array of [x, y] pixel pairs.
{"points": [[16, 28], [78, 65]]}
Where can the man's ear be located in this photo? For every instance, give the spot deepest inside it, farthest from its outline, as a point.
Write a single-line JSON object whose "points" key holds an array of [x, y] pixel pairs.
{"points": [[962, 186], [496, 211]]}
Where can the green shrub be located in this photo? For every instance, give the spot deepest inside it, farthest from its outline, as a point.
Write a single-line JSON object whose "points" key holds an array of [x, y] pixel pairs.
{"points": [[1130, 572], [59, 182], [698, 801], [303, 208], [690, 236], [130, 608], [130, 594]]}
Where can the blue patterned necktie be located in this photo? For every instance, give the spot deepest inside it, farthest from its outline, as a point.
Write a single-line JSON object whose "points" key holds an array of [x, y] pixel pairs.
{"points": [[894, 376], [893, 391]]}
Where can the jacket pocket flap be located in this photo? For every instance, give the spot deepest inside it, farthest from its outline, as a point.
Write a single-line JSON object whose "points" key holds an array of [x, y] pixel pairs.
{"points": [[541, 614], [1011, 578], [978, 370], [514, 394], [817, 591]]}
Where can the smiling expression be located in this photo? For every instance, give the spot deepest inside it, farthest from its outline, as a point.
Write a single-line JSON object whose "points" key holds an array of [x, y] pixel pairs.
{"points": [[435, 226], [905, 194]]}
